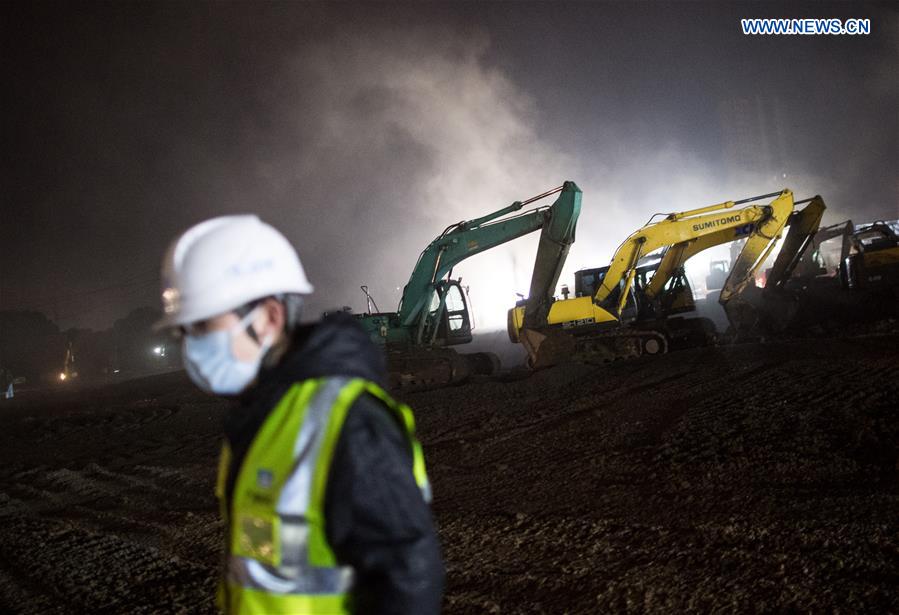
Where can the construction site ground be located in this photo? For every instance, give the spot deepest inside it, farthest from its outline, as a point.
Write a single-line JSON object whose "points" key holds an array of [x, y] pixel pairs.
{"points": [[748, 478]]}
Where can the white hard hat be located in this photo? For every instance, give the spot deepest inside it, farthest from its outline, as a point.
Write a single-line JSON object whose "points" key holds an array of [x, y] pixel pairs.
{"points": [[221, 264]]}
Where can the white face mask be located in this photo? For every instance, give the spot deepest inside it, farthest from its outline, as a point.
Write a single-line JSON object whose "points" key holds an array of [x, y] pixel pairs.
{"points": [[211, 364]]}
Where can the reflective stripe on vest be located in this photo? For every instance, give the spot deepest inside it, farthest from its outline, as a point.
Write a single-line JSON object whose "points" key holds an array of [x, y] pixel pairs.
{"points": [[278, 557]]}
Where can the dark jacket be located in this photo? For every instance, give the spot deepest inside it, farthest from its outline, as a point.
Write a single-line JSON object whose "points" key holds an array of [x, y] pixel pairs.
{"points": [[375, 518]]}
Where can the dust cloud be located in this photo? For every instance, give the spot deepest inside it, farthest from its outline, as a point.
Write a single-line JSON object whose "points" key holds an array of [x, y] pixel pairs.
{"points": [[389, 135], [364, 131], [400, 134]]}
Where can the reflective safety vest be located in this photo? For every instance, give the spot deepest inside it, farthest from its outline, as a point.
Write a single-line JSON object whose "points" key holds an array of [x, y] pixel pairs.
{"points": [[278, 559]]}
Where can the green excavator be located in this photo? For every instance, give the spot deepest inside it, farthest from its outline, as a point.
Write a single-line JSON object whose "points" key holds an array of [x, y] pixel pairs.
{"points": [[433, 313]]}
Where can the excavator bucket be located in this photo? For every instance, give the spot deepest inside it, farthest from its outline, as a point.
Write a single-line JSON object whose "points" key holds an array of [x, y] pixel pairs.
{"points": [[761, 310], [774, 308], [548, 347]]}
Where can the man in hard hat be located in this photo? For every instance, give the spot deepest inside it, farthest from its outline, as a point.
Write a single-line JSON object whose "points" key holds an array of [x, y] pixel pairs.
{"points": [[321, 481]]}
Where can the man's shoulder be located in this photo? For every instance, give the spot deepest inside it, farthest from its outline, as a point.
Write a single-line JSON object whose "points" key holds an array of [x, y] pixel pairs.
{"points": [[369, 412]]}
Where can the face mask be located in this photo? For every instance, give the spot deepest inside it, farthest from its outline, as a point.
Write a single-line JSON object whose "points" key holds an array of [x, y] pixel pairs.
{"points": [[211, 364]]}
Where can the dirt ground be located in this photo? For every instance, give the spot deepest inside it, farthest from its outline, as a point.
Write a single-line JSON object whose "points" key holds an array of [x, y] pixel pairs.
{"points": [[751, 478]]}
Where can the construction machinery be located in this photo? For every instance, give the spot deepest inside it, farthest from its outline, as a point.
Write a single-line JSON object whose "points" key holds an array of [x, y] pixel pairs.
{"points": [[824, 257], [622, 314], [851, 275], [867, 256], [433, 313], [659, 312], [873, 260], [718, 271]]}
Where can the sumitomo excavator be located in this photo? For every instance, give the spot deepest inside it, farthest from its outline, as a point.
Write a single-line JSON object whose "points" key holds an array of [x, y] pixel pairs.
{"points": [[622, 314], [433, 312]]}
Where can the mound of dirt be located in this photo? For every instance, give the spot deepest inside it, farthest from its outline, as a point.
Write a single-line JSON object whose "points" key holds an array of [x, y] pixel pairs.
{"points": [[752, 478]]}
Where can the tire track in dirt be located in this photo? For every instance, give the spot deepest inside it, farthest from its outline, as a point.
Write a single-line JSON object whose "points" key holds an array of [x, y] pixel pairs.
{"points": [[158, 506], [115, 420], [109, 573], [622, 567], [795, 419], [721, 479]]}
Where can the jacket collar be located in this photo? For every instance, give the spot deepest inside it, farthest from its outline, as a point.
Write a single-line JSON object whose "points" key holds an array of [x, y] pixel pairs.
{"points": [[336, 346]]}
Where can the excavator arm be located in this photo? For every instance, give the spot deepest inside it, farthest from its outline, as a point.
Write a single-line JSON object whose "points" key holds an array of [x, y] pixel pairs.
{"points": [[465, 239], [808, 266], [689, 232], [802, 227], [771, 309], [555, 240], [761, 225]]}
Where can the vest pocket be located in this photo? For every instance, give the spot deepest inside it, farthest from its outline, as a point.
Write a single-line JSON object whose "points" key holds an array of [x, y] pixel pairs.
{"points": [[258, 537]]}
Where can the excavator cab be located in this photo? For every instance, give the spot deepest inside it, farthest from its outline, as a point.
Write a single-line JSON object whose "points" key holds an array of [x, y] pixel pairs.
{"points": [[587, 281], [449, 311], [718, 272], [676, 296], [873, 261]]}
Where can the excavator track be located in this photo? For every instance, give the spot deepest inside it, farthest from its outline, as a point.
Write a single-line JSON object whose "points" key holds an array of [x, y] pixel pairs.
{"points": [[608, 346], [419, 368], [557, 345]]}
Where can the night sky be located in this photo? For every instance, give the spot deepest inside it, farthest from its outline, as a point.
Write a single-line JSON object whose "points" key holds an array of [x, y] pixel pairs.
{"points": [[363, 130]]}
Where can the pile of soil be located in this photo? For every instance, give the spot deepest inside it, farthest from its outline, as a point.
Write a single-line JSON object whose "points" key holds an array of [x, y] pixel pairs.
{"points": [[753, 478]]}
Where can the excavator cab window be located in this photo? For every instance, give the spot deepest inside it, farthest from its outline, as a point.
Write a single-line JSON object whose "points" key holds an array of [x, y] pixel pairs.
{"points": [[454, 326], [644, 276], [677, 295], [877, 238], [586, 281], [718, 272], [457, 315]]}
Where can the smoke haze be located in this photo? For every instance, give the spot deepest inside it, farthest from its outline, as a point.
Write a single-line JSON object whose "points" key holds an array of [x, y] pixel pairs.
{"points": [[363, 131], [405, 132]]}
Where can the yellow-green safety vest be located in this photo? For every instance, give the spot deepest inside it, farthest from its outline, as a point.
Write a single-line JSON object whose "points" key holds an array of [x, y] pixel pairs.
{"points": [[278, 559]]}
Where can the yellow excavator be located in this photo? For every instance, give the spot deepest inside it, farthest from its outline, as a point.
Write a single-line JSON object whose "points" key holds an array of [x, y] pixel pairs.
{"points": [[625, 312], [850, 273]]}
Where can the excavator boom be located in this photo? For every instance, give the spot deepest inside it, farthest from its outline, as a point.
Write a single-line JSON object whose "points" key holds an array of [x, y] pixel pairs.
{"points": [[555, 240], [803, 225], [433, 312], [759, 224], [468, 238]]}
